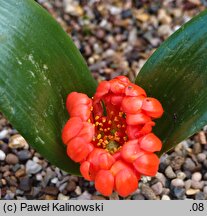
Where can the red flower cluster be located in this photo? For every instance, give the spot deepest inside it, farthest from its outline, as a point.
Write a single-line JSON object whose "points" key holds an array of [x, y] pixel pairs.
{"points": [[110, 135]]}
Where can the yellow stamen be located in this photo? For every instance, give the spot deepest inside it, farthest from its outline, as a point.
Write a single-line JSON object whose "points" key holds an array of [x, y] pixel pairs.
{"points": [[116, 119], [97, 117], [99, 136]]}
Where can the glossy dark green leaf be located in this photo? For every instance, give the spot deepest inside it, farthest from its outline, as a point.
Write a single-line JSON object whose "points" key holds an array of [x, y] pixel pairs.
{"points": [[39, 66], [176, 74]]}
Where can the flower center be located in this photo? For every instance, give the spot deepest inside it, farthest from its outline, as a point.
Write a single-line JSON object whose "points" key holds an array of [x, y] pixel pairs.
{"points": [[110, 131]]}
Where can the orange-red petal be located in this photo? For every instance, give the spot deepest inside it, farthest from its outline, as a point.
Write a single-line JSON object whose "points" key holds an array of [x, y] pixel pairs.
{"points": [[132, 105], [93, 158], [132, 131], [87, 132], [78, 149], [152, 107], [106, 161], [118, 166], [150, 143], [124, 79], [134, 90], [74, 99], [82, 111], [116, 100], [131, 151], [147, 164], [102, 89], [147, 128], [85, 170], [104, 182], [135, 119], [126, 182], [71, 129], [117, 87]]}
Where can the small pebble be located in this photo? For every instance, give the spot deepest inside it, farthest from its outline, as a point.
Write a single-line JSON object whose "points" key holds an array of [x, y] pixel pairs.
{"points": [[17, 141], [39, 177], [54, 180], [205, 190], [205, 176], [201, 157], [50, 190], [192, 191], [12, 159], [16, 167], [177, 182], [177, 162], [62, 187], [24, 155], [164, 30], [71, 186], [20, 172], [157, 188], [62, 197], [48, 176], [4, 133], [188, 184], [32, 167], [78, 190], [84, 196], [179, 192], [25, 184], [165, 197], [197, 185], [161, 178], [35, 191], [166, 191], [202, 137], [197, 148], [189, 165], [200, 196], [2, 155], [148, 192], [170, 173], [196, 176], [96, 197], [181, 175], [48, 197], [114, 196]]}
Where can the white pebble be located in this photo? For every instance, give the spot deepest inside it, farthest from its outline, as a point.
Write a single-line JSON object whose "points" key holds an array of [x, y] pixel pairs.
{"points": [[2, 155], [54, 180], [62, 197], [39, 177], [4, 133], [78, 190], [36, 159], [181, 175], [196, 176], [165, 197]]}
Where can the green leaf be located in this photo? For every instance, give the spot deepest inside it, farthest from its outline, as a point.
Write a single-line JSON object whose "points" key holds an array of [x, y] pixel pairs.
{"points": [[176, 74], [39, 66]]}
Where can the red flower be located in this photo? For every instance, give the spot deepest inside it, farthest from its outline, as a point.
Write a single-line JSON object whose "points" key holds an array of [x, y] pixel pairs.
{"points": [[110, 135]]}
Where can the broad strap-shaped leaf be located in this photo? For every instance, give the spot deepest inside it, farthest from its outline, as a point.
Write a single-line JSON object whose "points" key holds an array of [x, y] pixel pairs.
{"points": [[39, 66], [176, 74]]}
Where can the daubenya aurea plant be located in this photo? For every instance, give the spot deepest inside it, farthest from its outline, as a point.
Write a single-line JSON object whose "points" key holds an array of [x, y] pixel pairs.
{"points": [[117, 146], [108, 136]]}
